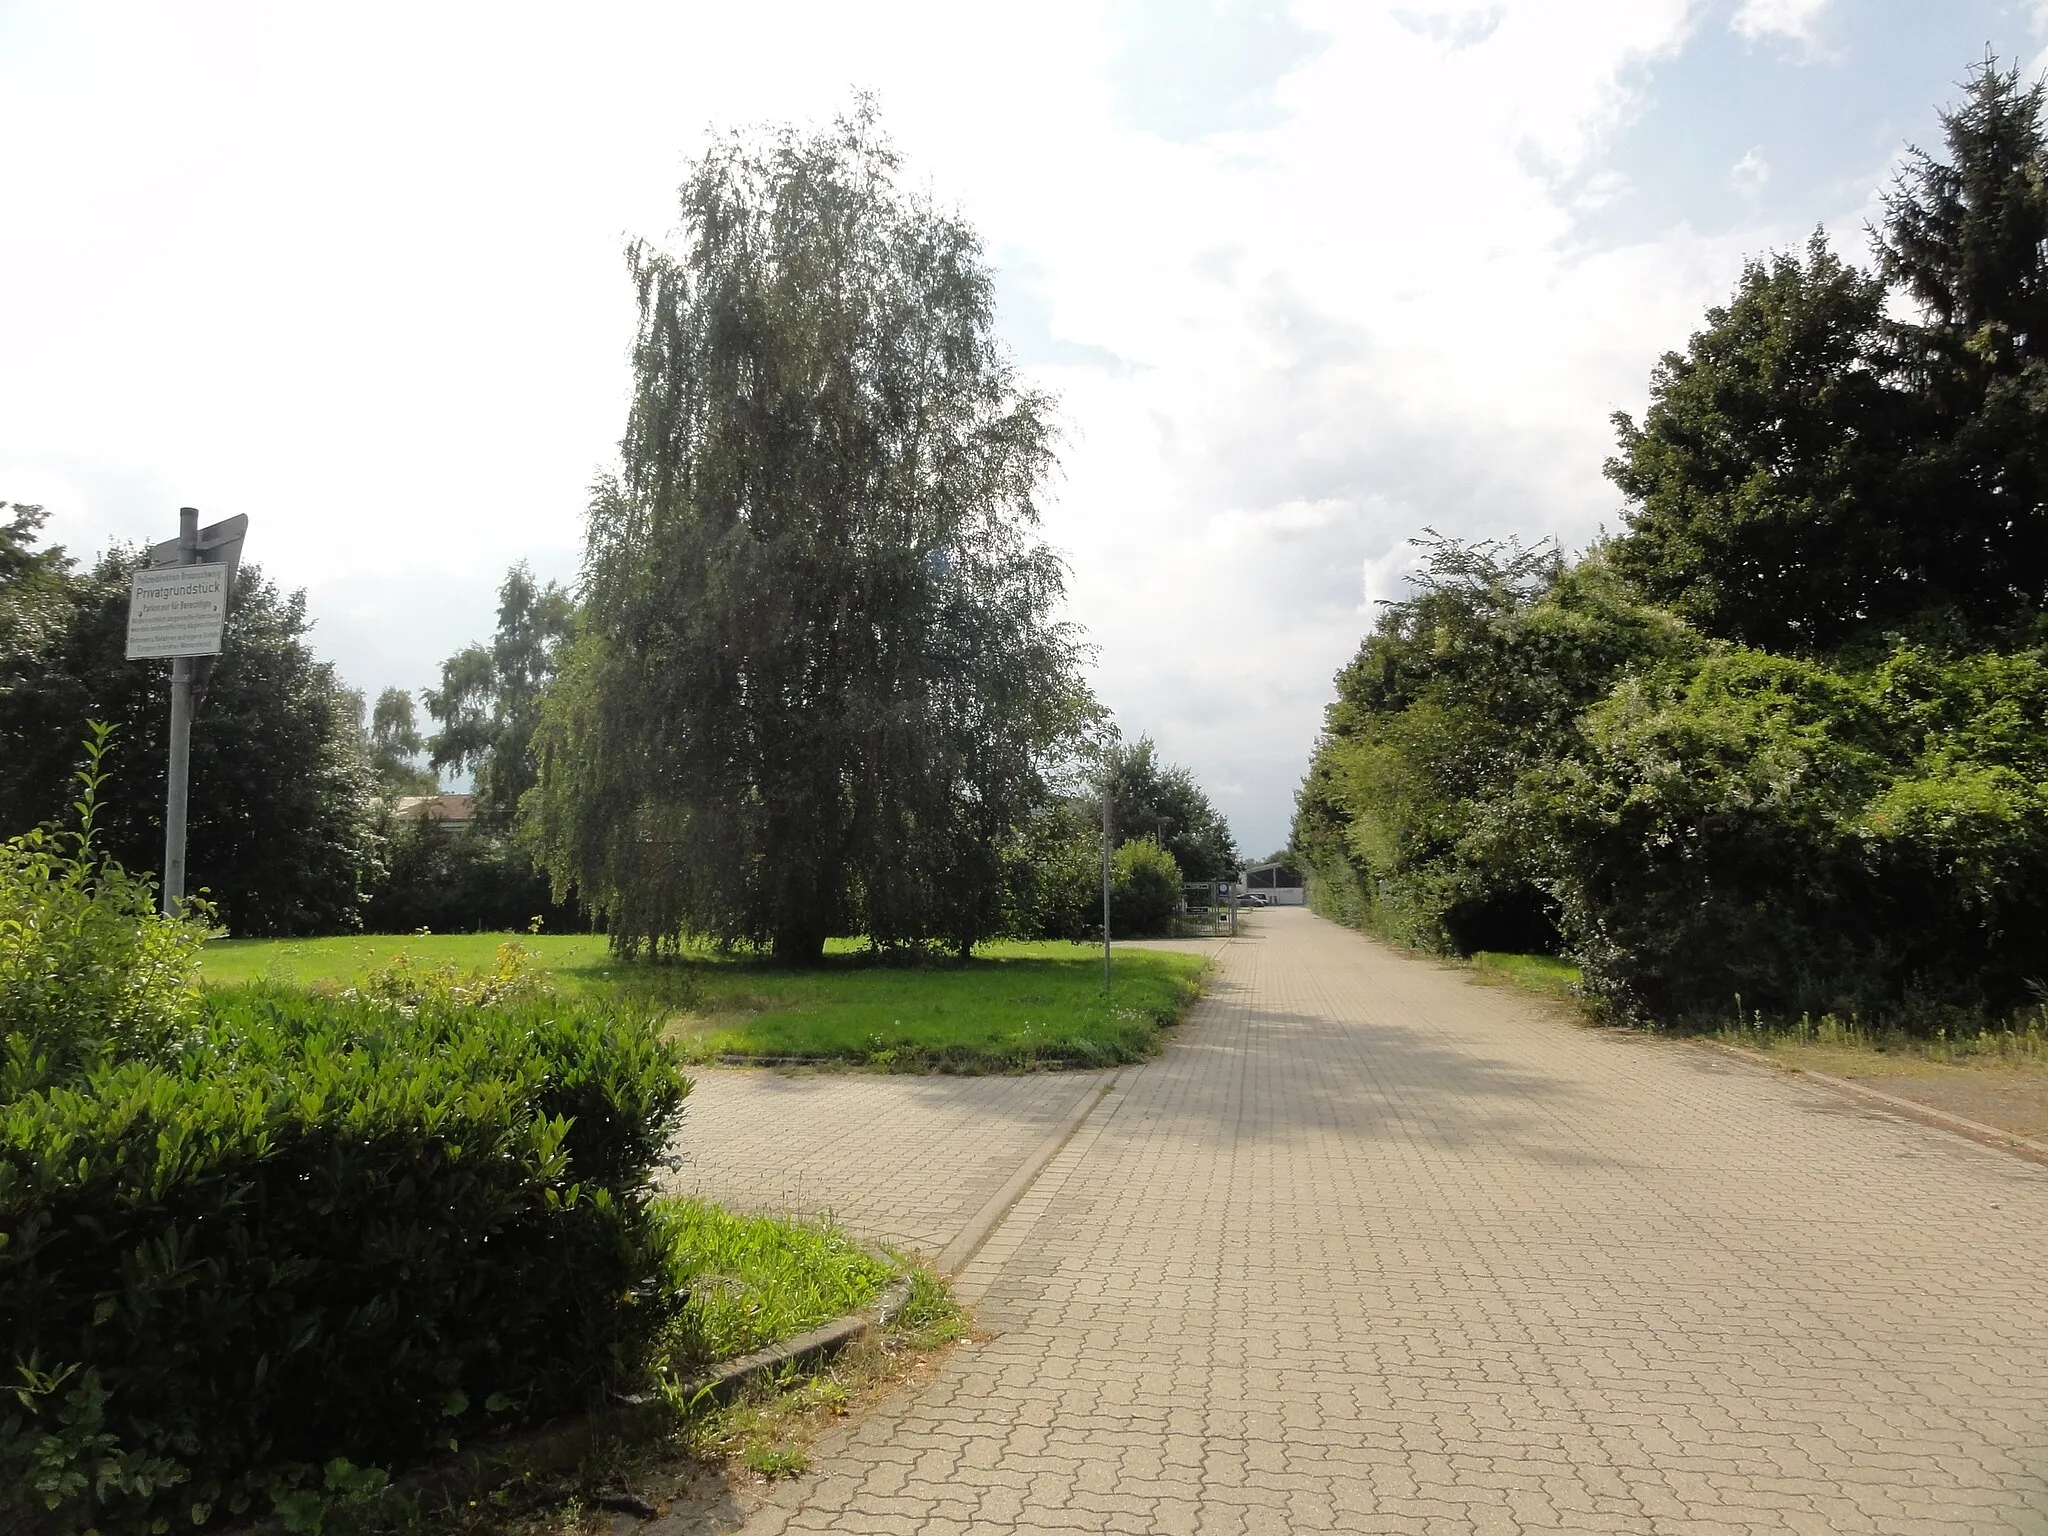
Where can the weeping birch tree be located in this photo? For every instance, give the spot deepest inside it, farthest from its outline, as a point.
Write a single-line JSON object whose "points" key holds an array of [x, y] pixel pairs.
{"points": [[819, 681]]}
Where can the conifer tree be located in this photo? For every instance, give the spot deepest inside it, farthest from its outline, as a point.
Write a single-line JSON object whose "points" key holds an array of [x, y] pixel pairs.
{"points": [[1966, 239]]}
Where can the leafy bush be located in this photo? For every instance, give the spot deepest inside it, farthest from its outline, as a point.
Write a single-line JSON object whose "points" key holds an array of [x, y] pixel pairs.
{"points": [[1144, 889], [87, 967], [251, 1240], [1525, 759], [470, 880], [1873, 844], [1481, 676], [403, 982], [319, 1227]]}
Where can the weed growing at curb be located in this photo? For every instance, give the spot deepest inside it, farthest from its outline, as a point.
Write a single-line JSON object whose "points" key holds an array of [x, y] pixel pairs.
{"points": [[2024, 1043]]}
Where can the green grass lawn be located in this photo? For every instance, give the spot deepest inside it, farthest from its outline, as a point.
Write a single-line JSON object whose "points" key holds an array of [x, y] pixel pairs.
{"points": [[756, 1280], [1537, 973], [1014, 1007]]}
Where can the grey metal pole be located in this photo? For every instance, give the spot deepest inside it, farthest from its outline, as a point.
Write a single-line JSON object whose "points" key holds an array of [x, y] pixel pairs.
{"points": [[1105, 892], [177, 791]]}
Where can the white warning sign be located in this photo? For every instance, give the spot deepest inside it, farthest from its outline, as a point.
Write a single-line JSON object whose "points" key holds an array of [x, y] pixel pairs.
{"points": [[178, 610]]}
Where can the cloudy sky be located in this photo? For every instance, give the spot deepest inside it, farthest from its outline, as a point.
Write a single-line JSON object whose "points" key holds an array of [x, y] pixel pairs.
{"points": [[1305, 277]]}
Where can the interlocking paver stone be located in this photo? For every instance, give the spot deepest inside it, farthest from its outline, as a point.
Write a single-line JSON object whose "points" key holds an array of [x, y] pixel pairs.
{"points": [[1376, 1248], [904, 1160]]}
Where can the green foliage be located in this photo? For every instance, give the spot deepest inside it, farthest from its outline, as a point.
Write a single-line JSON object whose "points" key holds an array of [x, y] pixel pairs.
{"points": [[318, 1228], [754, 1280], [1562, 766], [1811, 471], [1479, 677], [1144, 890], [459, 880], [394, 746], [488, 703], [1159, 800], [280, 836], [1870, 843], [88, 969], [817, 685]]}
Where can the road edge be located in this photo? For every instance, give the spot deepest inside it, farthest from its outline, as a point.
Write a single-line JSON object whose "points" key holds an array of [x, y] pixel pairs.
{"points": [[1927, 1114], [969, 1241]]}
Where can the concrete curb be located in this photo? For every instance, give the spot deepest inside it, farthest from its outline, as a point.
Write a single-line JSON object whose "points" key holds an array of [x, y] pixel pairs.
{"points": [[1976, 1130], [725, 1379], [982, 1223], [1049, 1067]]}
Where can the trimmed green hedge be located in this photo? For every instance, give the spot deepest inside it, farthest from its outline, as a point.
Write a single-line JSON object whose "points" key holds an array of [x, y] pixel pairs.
{"points": [[319, 1228]]}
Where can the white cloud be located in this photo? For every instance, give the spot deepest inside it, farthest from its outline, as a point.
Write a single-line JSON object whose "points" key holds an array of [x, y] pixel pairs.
{"points": [[357, 274], [1795, 20], [1748, 176]]}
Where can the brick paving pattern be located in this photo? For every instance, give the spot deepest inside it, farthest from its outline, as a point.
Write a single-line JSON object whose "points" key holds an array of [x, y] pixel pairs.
{"points": [[1375, 1248], [904, 1160]]}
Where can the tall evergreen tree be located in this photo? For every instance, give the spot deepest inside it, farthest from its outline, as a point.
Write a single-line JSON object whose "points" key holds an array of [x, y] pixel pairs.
{"points": [[1966, 239], [818, 677]]}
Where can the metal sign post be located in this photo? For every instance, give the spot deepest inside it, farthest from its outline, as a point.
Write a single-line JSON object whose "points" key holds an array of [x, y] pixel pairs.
{"points": [[178, 608], [1105, 891]]}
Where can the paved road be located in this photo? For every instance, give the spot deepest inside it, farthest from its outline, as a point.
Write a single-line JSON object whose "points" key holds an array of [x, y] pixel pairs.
{"points": [[1374, 1248], [904, 1160]]}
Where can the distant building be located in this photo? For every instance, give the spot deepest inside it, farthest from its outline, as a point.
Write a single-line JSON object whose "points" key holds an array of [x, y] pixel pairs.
{"points": [[452, 811], [1278, 883]]}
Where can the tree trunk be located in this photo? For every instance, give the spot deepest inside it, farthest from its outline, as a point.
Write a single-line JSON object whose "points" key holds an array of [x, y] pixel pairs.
{"points": [[799, 946]]}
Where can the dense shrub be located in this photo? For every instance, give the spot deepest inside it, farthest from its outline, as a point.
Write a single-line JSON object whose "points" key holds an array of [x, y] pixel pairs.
{"points": [[1481, 676], [250, 1235], [469, 880], [1866, 843], [319, 1228], [1144, 889], [1522, 759]]}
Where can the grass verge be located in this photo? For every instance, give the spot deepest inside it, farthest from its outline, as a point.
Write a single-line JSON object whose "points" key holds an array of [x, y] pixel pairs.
{"points": [[755, 1280], [1533, 973], [1013, 1007], [2023, 1046], [717, 1460], [1997, 1078]]}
